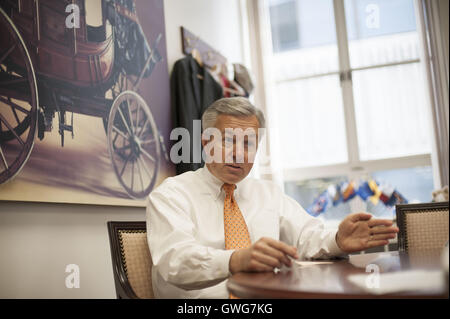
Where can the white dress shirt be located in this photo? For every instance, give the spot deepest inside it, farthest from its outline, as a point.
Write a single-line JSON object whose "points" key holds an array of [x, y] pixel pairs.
{"points": [[185, 230]]}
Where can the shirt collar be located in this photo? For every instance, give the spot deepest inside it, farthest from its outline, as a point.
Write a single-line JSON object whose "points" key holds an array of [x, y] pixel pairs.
{"points": [[215, 185]]}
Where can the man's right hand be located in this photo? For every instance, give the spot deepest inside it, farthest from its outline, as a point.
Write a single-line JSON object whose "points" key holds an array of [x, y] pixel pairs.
{"points": [[264, 255]]}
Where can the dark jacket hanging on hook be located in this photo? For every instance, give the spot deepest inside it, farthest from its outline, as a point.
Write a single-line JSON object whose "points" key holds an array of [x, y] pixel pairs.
{"points": [[190, 98]]}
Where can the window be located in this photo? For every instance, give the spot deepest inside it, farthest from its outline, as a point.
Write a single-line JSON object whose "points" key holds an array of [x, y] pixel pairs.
{"points": [[389, 95], [96, 30], [301, 75], [415, 184], [349, 96], [284, 27], [94, 14]]}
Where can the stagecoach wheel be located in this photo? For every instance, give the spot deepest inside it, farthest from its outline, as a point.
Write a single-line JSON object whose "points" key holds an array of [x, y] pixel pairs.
{"points": [[20, 122], [133, 143], [18, 101], [123, 83]]}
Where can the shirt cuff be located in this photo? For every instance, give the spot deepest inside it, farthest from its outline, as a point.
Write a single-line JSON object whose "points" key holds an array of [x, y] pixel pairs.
{"points": [[333, 246], [224, 261]]}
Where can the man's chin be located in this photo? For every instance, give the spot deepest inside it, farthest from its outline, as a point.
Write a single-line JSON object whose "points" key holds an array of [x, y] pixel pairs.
{"points": [[233, 176]]}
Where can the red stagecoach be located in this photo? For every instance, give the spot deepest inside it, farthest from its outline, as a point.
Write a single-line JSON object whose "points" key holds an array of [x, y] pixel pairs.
{"points": [[48, 68]]}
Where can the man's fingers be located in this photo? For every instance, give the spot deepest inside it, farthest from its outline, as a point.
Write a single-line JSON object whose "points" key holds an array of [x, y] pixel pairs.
{"points": [[375, 243], [268, 250], [380, 222], [285, 248], [383, 230], [266, 259], [382, 237], [258, 266], [360, 216]]}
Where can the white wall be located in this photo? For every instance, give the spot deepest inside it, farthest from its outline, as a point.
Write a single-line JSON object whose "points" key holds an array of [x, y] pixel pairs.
{"points": [[217, 22], [38, 240]]}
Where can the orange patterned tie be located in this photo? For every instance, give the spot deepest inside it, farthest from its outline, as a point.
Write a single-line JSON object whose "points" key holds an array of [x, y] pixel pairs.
{"points": [[236, 232]]}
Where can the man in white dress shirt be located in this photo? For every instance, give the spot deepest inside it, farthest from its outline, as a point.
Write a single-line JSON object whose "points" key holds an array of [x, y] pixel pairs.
{"points": [[187, 215]]}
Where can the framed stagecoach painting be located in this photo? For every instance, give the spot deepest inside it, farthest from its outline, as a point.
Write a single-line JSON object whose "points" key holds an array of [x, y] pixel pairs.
{"points": [[84, 101]]}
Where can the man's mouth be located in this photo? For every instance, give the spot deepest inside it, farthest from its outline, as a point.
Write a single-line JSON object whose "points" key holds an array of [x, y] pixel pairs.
{"points": [[234, 167]]}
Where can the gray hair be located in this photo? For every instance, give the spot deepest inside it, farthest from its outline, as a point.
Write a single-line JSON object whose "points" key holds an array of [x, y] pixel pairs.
{"points": [[237, 106]]}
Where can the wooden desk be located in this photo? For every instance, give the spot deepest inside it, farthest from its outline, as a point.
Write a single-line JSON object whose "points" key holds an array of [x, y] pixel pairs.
{"points": [[330, 280]]}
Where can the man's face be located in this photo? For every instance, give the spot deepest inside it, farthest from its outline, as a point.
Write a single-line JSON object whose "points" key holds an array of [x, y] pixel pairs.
{"points": [[238, 149]]}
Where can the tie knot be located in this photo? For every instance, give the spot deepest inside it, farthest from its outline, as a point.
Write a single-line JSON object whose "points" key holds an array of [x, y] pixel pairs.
{"points": [[229, 189]]}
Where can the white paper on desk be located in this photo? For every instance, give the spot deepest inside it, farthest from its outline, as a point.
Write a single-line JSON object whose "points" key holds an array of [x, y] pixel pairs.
{"points": [[312, 263], [302, 264], [403, 281]]}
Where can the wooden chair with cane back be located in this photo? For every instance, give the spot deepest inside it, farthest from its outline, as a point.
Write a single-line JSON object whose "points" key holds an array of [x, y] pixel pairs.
{"points": [[131, 259], [422, 227]]}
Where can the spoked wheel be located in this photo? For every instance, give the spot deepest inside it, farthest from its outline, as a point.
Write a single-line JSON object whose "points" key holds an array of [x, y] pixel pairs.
{"points": [[134, 144], [18, 101], [123, 83]]}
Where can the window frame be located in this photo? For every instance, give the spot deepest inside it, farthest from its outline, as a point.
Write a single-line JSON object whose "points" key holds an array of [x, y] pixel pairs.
{"points": [[354, 168]]}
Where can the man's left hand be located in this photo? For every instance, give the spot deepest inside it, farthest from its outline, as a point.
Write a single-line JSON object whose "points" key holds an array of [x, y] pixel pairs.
{"points": [[359, 232]]}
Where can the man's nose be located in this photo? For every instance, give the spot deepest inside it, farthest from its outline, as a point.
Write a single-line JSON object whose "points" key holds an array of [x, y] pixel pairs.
{"points": [[238, 153]]}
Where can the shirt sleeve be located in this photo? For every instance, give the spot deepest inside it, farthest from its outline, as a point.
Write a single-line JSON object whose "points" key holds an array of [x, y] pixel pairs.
{"points": [[180, 259], [307, 233]]}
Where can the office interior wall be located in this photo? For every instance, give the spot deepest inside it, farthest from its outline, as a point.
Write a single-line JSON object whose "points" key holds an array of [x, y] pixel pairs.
{"points": [[38, 240], [216, 22]]}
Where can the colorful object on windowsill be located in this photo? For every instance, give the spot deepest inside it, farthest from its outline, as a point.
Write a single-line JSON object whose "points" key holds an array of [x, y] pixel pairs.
{"points": [[365, 191], [396, 198], [376, 192], [386, 192], [320, 204], [349, 191], [335, 193], [368, 191]]}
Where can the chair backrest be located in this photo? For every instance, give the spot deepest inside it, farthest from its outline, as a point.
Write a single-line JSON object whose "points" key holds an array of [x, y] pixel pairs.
{"points": [[422, 227], [132, 263]]}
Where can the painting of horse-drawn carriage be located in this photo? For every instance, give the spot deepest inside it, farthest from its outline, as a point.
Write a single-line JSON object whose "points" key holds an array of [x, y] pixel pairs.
{"points": [[54, 68]]}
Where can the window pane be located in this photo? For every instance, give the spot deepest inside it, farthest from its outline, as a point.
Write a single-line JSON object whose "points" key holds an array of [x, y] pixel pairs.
{"points": [[381, 31], [390, 109], [415, 184], [311, 122], [305, 192], [284, 25], [303, 38], [316, 23], [94, 12], [332, 199]]}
